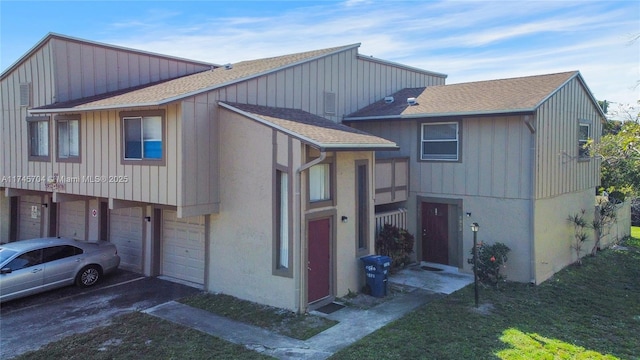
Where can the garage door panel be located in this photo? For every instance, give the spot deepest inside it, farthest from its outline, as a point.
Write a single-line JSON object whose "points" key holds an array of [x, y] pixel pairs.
{"points": [[29, 227], [183, 247], [71, 219], [125, 232]]}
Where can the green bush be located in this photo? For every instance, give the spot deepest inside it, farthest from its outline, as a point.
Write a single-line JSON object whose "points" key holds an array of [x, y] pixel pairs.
{"points": [[491, 259], [396, 243]]}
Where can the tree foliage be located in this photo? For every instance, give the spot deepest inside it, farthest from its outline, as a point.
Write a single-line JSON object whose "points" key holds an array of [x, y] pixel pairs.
{"points": [[620, 154]]}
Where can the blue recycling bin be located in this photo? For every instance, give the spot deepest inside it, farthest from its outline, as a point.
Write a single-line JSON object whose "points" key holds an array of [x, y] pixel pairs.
{"points": [[376, 268]]}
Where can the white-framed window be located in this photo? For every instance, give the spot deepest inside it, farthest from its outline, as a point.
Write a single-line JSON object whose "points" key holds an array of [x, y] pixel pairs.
{"points": [[38, 127], [282, 184], [68, 138], [320, 182], [143, 136], [282, 239], [362, 206], [584, 134], [439, 141]]}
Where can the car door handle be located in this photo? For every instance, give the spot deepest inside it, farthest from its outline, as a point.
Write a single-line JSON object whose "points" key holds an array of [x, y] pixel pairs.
{"points": [[35, 271]]}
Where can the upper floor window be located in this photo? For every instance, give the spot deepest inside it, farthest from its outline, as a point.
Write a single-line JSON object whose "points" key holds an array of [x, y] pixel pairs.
{"points": [[38, 128], [439, 141], [143, 134], [68, 138], [584, 134]]}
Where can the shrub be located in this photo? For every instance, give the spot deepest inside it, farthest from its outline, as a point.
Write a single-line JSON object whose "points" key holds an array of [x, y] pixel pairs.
{"points": [[491, 259], [396, 243]]}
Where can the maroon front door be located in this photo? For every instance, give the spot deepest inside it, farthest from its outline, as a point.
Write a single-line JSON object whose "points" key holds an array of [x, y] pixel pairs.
{"points": [[435, 233], [319, 272]]}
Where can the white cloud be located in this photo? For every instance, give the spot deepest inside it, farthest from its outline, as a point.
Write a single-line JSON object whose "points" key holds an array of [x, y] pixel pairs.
{"points": [[469, 40]]}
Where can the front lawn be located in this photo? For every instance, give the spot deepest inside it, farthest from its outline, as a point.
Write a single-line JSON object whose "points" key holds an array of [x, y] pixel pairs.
{"points": [[584, 312], [140, 336], [281, 321]]}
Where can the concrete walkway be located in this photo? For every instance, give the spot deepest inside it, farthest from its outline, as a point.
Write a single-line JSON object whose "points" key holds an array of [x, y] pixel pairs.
{"points": [[353, 324]]}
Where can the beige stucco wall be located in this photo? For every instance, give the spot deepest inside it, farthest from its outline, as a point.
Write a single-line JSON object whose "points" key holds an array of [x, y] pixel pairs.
{"points": [[501, 220], [554, 236], [241, 233], [621, 228], [348, 265]]}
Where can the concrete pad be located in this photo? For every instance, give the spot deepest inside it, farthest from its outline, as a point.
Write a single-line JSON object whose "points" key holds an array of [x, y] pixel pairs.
{"points": [[446, 281]]}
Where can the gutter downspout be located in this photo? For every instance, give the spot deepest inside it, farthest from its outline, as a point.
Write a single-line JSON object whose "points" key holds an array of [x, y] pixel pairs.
{"points": [[301, 296], [532, 208]]}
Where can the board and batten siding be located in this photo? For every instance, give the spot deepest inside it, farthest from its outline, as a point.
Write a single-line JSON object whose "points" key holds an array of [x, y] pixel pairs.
{"points": [[37, 72], [355, 82], [559, 170], [495, 152], [87, 69]]}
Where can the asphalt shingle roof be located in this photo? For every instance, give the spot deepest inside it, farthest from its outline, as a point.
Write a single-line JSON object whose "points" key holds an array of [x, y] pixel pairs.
{"points": [[481, 97], [321, 132], [171, 90]]}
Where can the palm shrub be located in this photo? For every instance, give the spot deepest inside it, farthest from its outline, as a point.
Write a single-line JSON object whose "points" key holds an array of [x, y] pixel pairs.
{"points": [[491, 259], [396, 243]]}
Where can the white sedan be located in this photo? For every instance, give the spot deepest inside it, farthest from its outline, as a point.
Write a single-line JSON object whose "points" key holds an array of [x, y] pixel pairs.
{"points": [[31, 266]]}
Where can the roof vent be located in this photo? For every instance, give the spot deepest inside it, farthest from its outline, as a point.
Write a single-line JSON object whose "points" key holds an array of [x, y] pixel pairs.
{"points": [[388, 99], [412, 101], [228, 66]]}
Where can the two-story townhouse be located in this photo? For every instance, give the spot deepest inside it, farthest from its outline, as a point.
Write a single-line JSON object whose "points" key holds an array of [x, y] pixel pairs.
{"points": [[507, 154], [238, 178]]}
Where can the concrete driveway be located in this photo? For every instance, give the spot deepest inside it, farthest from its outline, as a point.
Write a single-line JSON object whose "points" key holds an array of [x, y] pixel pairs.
{"points": [[29, 323]]}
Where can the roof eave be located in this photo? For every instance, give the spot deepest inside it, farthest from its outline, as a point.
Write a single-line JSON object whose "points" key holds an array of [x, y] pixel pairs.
{"points": [[439, 115], [358, 147], [93, 108], [395, 64], [318, 145]]}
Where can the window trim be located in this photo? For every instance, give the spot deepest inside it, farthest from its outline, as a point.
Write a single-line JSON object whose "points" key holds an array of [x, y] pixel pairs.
{"points": [[277, 225], [458, 140], [583, 154], [67, 118], [362, 250], [30, 120], [145, 113], [330, 160]]}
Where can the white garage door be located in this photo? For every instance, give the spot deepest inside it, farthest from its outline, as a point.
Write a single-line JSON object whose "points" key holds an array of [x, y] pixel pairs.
{"points": [[30, 217], [71, 219], [183, 247], [125, 231]]}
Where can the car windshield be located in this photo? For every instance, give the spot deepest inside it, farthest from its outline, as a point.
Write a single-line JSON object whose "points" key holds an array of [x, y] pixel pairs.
{"points": [[5, 254]]}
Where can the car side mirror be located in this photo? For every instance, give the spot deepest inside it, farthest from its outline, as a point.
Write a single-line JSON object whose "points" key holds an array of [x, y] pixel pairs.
{"points": [[5, 271]]}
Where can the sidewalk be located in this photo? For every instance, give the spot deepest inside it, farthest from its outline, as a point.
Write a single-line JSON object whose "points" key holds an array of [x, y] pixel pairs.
{"points": [[353, 324]]}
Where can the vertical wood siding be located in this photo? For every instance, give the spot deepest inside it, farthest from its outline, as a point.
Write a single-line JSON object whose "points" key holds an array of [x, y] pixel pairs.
{"points": [[495, 158], [63, 70], [558, 167], [84, 69]]}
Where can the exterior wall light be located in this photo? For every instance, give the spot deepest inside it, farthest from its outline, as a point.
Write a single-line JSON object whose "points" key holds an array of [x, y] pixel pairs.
{"points": [[475, 227]]}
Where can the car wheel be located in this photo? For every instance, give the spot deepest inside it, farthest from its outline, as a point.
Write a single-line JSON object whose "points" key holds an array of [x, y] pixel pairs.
{"points": [[88, 276]]}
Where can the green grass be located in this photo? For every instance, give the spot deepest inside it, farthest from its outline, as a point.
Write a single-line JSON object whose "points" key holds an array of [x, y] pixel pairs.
{"points": [[635, 237], [583, 312], [140, 336], [281, 321]]}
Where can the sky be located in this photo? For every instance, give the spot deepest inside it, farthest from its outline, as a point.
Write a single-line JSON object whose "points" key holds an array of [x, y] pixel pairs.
{"points": [[467, 40]]}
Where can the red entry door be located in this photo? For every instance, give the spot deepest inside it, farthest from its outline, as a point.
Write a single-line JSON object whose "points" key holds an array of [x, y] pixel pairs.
{"points": [[435, 233], [319, 259]]}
